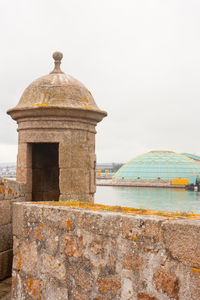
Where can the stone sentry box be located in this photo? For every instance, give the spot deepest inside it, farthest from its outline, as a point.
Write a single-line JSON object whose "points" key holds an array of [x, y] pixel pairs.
{"points": [[56, 118]]}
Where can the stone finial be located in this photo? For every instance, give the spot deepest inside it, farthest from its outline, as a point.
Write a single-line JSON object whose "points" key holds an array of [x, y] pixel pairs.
{"points": [[57, 56]]}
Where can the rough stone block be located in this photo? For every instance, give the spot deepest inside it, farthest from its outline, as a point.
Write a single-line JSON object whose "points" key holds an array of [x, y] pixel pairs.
{"points": [[79, 137], [21, 175], [33, 287], [79, 181], [110, 284], [65, 155], [167, 282], [18, 219], [53, 290], [53, 266], [78, 156], [5, 237], [24, 156], [92, 181], [26, 257], [65, 181], [2, 191], [145, 296], [5, 212], [132, 262], [183, 241], [6, 264]]}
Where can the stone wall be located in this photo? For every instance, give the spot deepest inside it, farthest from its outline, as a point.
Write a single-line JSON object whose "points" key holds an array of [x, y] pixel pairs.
{"points": [[75, 253], [9, 191]]}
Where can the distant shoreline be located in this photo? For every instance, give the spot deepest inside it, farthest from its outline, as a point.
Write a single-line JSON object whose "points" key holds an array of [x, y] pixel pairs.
{"points": [[110, 182]]}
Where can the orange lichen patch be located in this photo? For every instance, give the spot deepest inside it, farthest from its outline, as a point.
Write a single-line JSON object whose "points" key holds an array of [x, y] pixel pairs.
{"points": [[68, 224], [33, 287], [2, 189], [10, 191], [19, 261], [41, 104], [86, 100], [41, 225], [30, 283], [133, 238], [126, 210], [195, 271], [14, 282]]}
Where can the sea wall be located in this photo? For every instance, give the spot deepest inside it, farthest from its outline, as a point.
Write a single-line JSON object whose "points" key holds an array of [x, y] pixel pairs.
{"points": [[64, 252], [10, 191]]}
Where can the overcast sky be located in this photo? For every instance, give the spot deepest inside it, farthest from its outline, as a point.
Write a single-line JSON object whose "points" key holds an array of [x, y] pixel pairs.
{"points": [[139, 58]]}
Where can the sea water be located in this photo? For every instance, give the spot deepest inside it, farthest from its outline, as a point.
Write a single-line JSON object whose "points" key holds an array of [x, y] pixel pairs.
{"points": [[165, 199]]}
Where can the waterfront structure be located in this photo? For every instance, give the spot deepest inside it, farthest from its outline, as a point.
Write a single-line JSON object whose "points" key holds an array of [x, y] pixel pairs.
{"points": [[160, 166], [193, 156], [56, 119]]}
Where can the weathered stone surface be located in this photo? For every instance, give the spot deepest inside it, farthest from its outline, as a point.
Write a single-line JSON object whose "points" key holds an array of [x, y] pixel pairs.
{"points": [[132, 262], [167, 282], [84, 277], [2, 190], [37, 234], [183, 242], [18, 220], [127, 289], [53, 266], [80, 254], [71, 247], [5, 212], [194, 283], [110, 284], [144, 296], [51, 240], [79, 296], [65, 150], [33, 288], [53, 291], [10, 191], [26, 258], [6, 263], [5, 237]]}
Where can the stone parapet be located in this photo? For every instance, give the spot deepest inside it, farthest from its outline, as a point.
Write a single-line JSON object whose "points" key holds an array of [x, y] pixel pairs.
{"points": [[10, 191], [69, 252]]}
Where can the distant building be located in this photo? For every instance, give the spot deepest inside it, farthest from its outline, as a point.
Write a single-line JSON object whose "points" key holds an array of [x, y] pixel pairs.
{"points": [[160, 165]]}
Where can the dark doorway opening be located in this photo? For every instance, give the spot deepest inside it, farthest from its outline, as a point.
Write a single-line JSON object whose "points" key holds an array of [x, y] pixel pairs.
{"points": [[45, 172]]}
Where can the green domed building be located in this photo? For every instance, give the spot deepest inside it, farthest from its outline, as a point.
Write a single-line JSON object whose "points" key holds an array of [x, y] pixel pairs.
{"points": [[159, 165]]}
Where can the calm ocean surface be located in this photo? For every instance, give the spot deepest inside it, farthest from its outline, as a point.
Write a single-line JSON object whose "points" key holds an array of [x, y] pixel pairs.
{"points": [[154, 198]]}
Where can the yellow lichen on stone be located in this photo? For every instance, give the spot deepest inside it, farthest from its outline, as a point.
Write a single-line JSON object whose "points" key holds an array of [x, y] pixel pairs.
{"points": [[195, 270], [86, 100], [10, 191], [41, 104], [19, 262], [68, 224], [126, 210], [2, 189]]}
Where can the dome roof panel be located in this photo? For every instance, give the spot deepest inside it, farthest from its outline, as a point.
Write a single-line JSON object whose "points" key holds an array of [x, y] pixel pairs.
{"points": [[163, 164]]}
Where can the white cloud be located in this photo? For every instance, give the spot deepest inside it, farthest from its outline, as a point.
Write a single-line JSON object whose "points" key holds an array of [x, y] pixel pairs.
{"points": [[140, 59], [8, 153]]}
